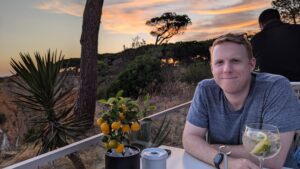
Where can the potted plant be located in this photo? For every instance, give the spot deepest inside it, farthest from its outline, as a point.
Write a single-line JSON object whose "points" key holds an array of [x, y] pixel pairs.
{"points": [[118, 120]]}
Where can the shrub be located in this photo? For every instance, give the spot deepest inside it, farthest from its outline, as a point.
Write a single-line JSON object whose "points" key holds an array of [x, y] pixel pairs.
{"points": [[140, 76], [102, 68], [196, 72], [102, 91]]}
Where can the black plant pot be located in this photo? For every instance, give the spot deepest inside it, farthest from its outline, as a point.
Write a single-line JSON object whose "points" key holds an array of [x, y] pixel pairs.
{"points": [[127, 162]]}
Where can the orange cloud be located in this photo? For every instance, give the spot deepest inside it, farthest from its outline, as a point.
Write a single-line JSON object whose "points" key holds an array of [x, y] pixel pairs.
{"points": [[126, 17], [128, 23], [56, 6], [129, 17], [229, 27], [235, 9], [139, 3]]}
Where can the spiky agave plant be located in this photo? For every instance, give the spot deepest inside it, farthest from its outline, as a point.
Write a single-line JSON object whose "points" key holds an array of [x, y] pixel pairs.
{"points": [[39, 86]]}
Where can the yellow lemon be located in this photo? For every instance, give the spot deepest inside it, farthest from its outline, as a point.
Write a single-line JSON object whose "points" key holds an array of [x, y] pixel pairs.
{"points": [[100, 121], [113, 143], [124, 108], [115, 125], [104, 128], [121, 116], [120, 148], [106, 145], [125, 128], [135, 126]]}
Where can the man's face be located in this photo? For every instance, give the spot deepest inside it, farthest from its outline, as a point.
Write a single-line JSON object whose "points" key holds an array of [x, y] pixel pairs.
{"points": [[231, 67]]}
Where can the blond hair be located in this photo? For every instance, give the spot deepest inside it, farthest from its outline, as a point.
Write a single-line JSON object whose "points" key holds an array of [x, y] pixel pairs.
{"points": [[233, 38]]}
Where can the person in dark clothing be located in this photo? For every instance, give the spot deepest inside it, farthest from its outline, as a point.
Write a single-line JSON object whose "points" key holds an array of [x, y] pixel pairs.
{"points": [[277, 47]]}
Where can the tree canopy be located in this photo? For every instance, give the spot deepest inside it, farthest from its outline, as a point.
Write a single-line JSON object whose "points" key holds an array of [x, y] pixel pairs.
{"points": [[288, 9], [168, 25]]}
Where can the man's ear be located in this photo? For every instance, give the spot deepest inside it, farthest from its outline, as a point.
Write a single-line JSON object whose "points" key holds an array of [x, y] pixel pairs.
{"points": [[211, 68], [210, 62], [252, 63]]}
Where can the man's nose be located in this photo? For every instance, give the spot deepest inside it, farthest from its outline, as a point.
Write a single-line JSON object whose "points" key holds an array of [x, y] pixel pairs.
{"points": [[227, 67]]}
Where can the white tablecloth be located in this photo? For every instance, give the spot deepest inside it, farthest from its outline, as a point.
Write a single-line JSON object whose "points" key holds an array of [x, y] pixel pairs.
{"points": [[179, 159]]}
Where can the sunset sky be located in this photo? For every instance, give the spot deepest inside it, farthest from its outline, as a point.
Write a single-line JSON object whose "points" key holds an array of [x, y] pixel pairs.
{"points": [[37, 25]]}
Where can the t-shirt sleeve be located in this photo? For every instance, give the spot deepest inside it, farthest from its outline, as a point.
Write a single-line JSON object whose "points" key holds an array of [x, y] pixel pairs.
{"points": [[282, 107], [197, 114]]}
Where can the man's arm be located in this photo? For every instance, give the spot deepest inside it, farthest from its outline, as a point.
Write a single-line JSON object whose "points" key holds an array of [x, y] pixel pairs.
{"points": [[276, 162], [195, 144]]}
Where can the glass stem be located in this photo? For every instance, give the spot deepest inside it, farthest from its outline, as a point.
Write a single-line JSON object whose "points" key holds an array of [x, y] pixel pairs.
{"points": [[261, 161]]}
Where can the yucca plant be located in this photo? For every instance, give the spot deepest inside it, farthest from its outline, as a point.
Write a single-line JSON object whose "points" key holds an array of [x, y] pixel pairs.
{"points": [[40, 89]]}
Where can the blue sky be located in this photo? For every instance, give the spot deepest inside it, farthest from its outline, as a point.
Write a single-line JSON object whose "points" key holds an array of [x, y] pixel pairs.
{"points": [[37, 25]]}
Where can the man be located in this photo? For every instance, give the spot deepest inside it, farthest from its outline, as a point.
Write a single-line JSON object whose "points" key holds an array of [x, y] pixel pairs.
{"points": [[277, 46], [222, 106]]}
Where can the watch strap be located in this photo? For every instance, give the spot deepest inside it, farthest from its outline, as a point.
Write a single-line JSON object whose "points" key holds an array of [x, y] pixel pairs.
{"points": [[218, 160]]}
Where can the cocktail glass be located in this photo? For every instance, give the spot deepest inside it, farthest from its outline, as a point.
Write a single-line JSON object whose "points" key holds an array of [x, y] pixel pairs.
{"points": [[261, 141]]}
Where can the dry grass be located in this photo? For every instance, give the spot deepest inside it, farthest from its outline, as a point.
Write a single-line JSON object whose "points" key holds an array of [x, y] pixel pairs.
{"points": [[22, 154], [171, 94]]}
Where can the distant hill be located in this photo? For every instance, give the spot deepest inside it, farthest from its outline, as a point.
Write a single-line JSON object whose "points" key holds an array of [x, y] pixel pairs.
{"points": [[181, 51]]}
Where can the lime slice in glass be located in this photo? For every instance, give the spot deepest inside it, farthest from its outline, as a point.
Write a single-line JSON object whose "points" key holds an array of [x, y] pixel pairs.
{"points": [[263, 144]]}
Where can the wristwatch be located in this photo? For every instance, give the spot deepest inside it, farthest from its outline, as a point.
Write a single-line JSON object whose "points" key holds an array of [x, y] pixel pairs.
{"points": [[218, 160]]}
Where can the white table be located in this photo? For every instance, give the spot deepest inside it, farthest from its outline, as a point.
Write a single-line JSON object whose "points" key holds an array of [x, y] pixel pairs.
{"points": [[179, 159]]}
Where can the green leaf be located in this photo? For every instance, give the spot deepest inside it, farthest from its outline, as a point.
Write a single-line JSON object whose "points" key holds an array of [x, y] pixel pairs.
{"points": [[111, 100], [119, 93], [103, 101]]}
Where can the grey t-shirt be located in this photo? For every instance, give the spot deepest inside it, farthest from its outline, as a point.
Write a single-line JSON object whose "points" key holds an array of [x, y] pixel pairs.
{"points": [[270, 100]]}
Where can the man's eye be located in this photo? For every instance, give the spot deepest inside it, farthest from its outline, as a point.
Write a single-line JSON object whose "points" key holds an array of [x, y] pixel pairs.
{"points": [[218, 62]]}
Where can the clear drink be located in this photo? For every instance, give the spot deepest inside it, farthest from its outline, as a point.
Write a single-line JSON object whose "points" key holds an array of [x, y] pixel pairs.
{"points": [[261, 147], [261, 141]]}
